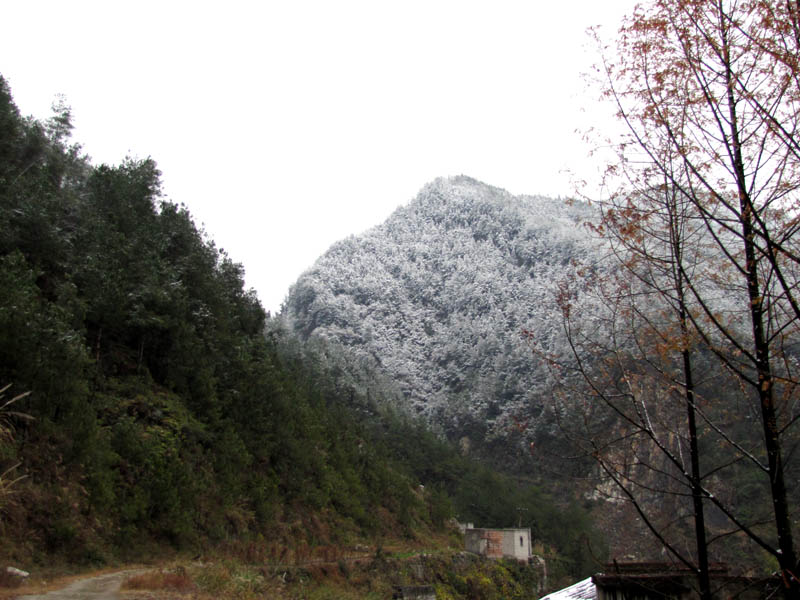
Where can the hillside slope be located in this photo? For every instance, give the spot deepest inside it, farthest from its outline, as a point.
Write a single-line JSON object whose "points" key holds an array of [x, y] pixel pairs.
{"points": [[438, 296], [148, 403]]}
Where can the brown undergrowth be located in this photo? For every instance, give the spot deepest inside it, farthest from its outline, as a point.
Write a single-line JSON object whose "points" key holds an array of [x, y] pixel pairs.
{"points": [[341, 573], [7, 580], [175, 581]]}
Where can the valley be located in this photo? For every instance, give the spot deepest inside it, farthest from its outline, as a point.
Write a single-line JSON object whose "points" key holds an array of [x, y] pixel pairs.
{"points": [[591, 383]]}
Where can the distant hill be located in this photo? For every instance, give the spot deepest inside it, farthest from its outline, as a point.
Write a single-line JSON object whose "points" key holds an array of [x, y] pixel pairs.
{"points": [[438, 296]]}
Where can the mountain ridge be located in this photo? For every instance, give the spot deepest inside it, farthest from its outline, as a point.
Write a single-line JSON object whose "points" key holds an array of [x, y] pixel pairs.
{"points": [[438, 296]]}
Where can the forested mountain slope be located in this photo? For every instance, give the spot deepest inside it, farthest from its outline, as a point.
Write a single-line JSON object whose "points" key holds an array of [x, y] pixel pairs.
{"points": [[155, 405], [438, 296], [157, 410]]}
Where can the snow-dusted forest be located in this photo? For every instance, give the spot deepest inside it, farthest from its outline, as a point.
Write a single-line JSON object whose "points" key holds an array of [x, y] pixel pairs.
{"points": [[439, 294]]}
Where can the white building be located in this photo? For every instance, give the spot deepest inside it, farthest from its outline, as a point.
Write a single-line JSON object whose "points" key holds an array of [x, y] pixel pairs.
{"points": [[499, 543]]}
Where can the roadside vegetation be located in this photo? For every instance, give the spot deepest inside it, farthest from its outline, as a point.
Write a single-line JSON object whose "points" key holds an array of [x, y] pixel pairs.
{"points": [[453, 576]]}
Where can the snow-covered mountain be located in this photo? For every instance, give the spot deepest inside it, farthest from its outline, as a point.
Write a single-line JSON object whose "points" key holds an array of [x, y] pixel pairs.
{"points": [[438, 296]]}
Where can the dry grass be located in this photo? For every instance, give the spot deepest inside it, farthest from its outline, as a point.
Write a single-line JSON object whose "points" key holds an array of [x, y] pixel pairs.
{"points": [[161, 580], [7, 580]]}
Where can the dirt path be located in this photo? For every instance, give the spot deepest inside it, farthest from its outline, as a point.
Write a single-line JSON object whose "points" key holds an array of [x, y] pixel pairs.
{"points": [[100, 587]]}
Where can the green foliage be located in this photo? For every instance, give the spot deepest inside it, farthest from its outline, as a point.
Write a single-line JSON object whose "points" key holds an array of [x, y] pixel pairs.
{"points": [[457, 486], [40, 347], [161, 410], [163, 414]]}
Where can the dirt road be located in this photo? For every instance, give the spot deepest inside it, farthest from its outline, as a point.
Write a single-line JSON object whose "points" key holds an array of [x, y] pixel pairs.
{"points": [[100, 587]]}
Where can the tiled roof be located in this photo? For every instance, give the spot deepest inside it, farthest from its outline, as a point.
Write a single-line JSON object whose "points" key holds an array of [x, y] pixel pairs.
{"points": [[583, 590]]}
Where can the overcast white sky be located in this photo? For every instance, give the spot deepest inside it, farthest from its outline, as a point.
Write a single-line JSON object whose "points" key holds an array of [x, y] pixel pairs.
{"points": [[285, 126]]}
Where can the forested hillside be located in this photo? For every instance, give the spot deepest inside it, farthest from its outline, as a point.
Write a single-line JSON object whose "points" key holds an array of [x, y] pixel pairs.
{"points": [[439, 295], [159, 409], [551, 348], [150, 403]]}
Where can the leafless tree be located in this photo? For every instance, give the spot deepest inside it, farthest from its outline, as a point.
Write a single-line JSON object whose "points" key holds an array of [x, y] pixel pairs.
{"points": [[702, 209]]}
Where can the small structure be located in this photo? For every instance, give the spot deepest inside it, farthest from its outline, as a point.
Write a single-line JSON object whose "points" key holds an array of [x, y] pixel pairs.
{"points": [[499, 543], [658, 580], [583, 590], [462, 527], [661, 581]]}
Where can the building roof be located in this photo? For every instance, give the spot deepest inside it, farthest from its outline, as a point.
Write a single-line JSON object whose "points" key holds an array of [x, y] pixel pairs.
{"points": [[583, 590]]}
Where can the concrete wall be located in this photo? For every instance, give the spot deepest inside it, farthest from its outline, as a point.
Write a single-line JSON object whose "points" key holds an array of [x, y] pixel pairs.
{"points": [[499, 543], [517, 543], [486, 542]]}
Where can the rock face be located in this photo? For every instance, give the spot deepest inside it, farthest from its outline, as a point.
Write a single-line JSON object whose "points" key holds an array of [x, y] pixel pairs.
{"points": [[438, 296]]}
